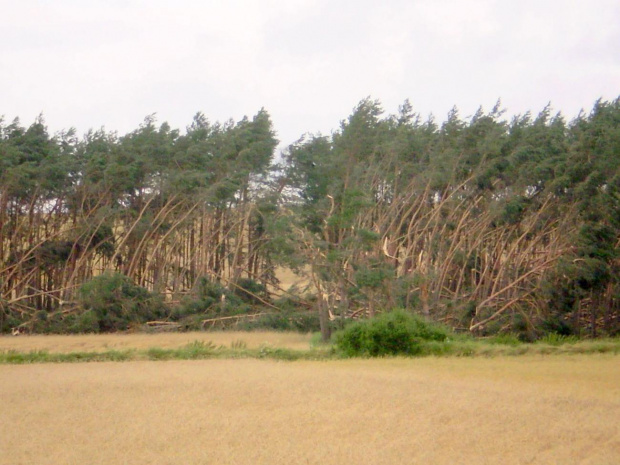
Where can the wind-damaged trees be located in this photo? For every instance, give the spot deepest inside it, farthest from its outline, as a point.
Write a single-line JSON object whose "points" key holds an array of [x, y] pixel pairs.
{"points": [[161, 208], [486, 224], [467, 222]]}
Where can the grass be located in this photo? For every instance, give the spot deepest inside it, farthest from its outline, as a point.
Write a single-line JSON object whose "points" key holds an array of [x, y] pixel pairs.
{"points": [[468, 347], [195, 350], [267, 345]]}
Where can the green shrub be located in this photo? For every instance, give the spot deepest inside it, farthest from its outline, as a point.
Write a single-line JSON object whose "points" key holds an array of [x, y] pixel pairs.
{"points": [[85, 322], [117, 302], [557, 325], [393, 333]]}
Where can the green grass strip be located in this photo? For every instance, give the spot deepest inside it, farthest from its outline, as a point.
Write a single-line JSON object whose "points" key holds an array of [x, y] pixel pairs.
{"points": [[198, 350], [193, 351]]}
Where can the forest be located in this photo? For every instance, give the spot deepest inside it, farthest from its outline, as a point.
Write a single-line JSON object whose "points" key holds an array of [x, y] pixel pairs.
{"points": [[485, 224]]}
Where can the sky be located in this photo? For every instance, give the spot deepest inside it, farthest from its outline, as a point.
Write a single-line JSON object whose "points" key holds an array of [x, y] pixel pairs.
{"points": [[94, 63]]}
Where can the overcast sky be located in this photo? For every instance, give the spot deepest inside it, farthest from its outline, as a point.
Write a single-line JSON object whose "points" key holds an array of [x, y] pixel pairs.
{"points": [[94, 63]]}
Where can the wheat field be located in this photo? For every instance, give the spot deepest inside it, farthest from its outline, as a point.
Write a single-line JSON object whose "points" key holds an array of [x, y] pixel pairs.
{"points": [[171, 340], [519, 410]]}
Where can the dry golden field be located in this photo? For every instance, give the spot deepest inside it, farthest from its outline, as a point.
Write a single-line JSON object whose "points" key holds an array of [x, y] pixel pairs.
{"points": [[517, 410], [118, 341]]}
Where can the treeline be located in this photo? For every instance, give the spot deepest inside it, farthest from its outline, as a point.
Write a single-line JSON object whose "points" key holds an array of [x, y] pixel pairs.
{"points": [[487, 225]]}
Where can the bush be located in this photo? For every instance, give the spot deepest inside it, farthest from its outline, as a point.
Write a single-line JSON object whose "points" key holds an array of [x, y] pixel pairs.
{"points": [[393, 333], [86, 322], [117, 302]]}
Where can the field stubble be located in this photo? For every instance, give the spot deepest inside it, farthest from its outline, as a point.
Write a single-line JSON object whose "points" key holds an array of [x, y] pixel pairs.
{"points": [[529, 409], [142, 341]]}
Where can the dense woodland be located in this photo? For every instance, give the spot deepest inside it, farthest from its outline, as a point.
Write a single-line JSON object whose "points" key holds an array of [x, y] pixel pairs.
{"points": [[486, 224]]}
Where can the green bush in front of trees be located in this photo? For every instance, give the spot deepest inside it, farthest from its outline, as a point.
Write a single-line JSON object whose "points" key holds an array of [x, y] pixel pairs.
{"points": [[394, 333]]}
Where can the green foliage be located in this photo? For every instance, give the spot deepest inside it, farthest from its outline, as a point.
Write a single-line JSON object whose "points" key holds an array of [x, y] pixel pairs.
{"points": [[299, 321], [85, 322], [54, 252], [367, 238], [195, 350], [505, 339], [513, 210], [555, 339], [117, 303], [250, 291], [100, 239], [210, 298], [597, 241], [393, 333], [373, 276], [555, 324]]}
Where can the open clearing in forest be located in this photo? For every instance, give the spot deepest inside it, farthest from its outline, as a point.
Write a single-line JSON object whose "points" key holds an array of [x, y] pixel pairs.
{"points": [[509, 410]]}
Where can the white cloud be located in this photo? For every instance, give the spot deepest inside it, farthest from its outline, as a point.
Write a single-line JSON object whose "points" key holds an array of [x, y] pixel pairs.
{"points": [[308, 62]]}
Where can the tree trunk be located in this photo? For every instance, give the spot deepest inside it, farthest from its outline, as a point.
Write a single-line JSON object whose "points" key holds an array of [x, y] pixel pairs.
{"points": [[326, 330]]}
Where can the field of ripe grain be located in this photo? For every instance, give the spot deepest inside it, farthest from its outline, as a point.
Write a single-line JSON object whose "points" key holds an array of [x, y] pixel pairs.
{"points": [[118, 341], [516, 410]]}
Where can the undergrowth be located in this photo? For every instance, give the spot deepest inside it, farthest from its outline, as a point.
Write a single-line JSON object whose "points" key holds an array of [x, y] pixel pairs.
{"points": [[392, 334]]}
